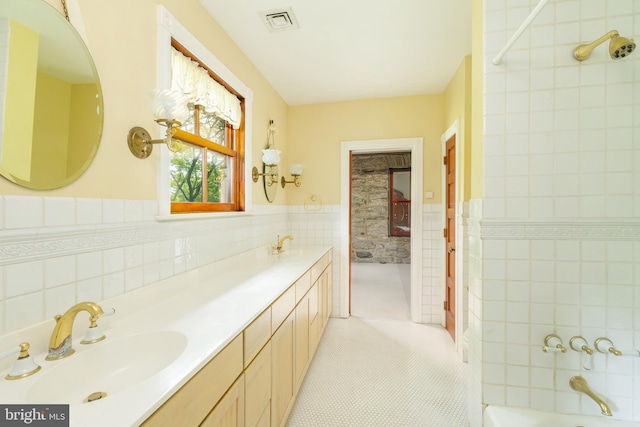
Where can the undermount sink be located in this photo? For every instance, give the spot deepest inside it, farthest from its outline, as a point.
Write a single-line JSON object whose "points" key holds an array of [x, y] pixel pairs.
{"points": [[107, 368]]}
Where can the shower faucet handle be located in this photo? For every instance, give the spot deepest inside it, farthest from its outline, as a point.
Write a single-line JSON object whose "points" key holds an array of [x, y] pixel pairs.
{"points": [[579, 344], [553, 343], [604, 345]]}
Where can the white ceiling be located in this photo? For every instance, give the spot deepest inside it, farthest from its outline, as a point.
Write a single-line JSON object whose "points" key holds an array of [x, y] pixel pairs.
{"points": [[352, 49]]}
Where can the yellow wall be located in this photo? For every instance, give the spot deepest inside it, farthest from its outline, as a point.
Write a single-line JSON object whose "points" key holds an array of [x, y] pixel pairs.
{"points": [[458, 106], [477, 124], [316, 131], [20, 100], [122, 40]]}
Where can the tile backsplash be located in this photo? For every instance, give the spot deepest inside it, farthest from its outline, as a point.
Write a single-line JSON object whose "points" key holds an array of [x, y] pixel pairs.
{"points": [[58, 251], [55, 252]]}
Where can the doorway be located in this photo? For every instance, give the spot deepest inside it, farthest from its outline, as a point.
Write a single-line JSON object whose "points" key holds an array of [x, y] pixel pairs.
{"points": [[381, 235], [349, 148]]}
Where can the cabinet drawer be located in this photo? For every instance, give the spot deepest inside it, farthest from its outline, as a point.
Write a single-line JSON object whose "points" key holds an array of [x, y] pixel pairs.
{"points": [[302, 285], [282, 307], [194, 400], [256, 335], [319, 266]]}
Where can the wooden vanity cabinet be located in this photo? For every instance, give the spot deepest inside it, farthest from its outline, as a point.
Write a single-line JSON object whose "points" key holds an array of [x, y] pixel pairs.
{"points": [[254, 380], [257, 377], [190, 405], [230, 410]]}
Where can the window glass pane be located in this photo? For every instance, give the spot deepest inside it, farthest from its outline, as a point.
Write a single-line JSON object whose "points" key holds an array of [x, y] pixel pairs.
{"points": [[219, 181], [212, 127], [186, 174]]}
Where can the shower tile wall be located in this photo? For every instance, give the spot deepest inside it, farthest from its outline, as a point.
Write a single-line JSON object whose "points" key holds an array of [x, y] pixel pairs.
{"points": [[554, 245]]}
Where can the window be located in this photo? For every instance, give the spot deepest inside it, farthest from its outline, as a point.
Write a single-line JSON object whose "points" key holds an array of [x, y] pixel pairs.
{"points": [[400, 202], [207, 174]]}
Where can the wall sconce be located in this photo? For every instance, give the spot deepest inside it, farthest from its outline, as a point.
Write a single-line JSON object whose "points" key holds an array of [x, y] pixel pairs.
{"points": [[270, 158], [295, 170], [166, 103]]}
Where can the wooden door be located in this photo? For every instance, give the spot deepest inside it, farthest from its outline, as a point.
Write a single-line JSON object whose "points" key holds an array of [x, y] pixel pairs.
{"points": [[450, 235]]}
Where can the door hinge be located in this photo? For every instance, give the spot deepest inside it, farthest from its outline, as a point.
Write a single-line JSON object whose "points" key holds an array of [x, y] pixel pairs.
{"points": [[445, 233], [444, 160], [445, 306]]}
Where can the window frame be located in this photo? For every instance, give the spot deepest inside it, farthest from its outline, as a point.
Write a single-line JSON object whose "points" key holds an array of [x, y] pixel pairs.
{"points": [[169, 28], [234, 149]]}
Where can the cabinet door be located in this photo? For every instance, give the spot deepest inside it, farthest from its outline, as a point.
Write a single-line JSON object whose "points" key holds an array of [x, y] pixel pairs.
{"points": [[314, 318], [302, 339], [328, 298], [282, 370], [229, 412], [257, 379]]}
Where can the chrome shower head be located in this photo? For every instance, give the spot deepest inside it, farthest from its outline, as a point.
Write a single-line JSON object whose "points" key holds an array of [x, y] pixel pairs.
{"points": [[619, 47]]}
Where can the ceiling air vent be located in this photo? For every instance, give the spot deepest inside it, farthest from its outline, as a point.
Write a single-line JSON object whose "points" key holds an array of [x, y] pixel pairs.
{"points": [[279, 20]]}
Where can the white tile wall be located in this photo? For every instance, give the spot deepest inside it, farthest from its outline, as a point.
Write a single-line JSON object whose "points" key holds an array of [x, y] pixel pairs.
{"points": [[432, 263], [58, 251], [55, 252], [556, 249]]}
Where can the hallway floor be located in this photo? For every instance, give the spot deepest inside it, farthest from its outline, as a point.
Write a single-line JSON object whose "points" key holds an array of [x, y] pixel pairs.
{"points": [[377, 368]]}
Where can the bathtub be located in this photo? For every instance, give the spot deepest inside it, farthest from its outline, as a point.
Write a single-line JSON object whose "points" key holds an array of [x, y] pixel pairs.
{"points": [[501, 416]]}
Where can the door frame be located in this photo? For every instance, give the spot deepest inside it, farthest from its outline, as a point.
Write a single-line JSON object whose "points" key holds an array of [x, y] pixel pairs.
{"points": [[414, 145], [454, 129]]}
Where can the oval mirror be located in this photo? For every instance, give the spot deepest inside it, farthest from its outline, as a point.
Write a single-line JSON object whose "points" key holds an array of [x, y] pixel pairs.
{"points": [[51, 118]]}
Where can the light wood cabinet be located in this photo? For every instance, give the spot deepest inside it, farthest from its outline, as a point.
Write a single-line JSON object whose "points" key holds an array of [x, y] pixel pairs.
{"points": [[192, 403], [254, 380], [282, 371], [257, 377], [302, 340], [229, 412]]}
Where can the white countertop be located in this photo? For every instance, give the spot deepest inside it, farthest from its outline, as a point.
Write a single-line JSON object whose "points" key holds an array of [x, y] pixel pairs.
{"points": [[209, 305]]}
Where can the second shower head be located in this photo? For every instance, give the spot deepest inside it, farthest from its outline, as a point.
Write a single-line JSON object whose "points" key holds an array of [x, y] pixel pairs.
{"points": [[619, 47]]}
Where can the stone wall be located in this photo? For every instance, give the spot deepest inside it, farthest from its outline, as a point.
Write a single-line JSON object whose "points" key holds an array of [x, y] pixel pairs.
{"points": [[370, 210]]}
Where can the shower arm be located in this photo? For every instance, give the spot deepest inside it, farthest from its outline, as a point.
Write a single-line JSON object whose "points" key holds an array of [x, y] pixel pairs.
{"points": [[536, 10], [583, 51]]}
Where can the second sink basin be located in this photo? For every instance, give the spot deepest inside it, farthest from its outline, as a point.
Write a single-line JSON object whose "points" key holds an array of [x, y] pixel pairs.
{"points": [[108, 367]]}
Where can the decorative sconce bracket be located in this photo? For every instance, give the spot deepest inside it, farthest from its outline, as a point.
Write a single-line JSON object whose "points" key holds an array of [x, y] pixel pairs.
{"points": [[140, 142], [271, 177], [295, 170], [295, 181]]}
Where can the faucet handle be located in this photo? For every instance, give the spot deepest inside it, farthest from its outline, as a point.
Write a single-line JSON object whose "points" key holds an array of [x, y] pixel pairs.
{"points": [[24, 366], [94, 334], [579, 344], [604, 345], [553, 343]]}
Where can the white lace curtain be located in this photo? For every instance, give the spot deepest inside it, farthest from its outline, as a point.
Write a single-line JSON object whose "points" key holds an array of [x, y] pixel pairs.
{"points": [[194, 81]]}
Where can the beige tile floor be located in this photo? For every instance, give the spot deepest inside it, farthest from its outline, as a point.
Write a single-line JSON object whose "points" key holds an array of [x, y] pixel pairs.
{"points": [[377, 368]]}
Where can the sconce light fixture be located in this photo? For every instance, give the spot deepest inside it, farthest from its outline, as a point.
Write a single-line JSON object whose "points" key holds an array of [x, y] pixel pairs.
{"points": [[270, 158], [295, 170], [170, 109]]}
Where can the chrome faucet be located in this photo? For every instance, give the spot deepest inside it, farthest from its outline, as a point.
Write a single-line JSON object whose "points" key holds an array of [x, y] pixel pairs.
{"points": [[579, 384], [60, 342], [278, 247]]}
